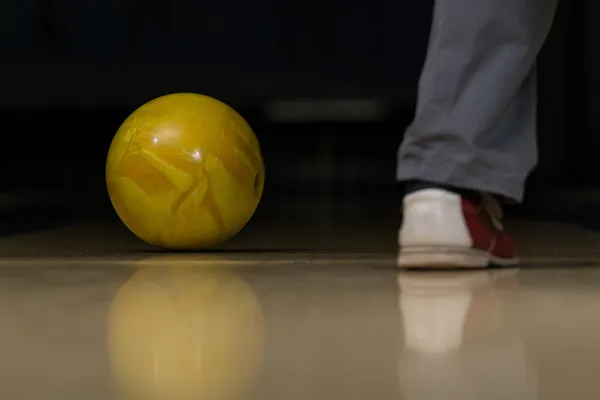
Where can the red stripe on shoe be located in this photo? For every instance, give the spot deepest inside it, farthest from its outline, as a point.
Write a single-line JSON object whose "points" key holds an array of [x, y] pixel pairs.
{"points": [[483, 233]]}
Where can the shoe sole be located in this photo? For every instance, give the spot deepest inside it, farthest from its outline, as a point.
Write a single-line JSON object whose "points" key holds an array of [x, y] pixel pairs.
{"points": [[448, 257]]}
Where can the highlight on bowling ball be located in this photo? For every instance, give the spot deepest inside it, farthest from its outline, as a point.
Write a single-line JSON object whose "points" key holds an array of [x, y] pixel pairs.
{"points": [[185, 332], [185, 172]]}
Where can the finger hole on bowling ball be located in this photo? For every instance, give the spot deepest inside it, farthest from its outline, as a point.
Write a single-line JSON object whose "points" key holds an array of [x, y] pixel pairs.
{"points": [[257, 184]]}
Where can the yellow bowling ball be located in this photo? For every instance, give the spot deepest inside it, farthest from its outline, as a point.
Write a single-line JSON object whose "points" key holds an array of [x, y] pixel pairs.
{"points": [[185, 171], [185, 332]]}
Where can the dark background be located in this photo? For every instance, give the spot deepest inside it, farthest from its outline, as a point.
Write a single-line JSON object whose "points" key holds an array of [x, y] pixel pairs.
{"points": [[72, 71]]}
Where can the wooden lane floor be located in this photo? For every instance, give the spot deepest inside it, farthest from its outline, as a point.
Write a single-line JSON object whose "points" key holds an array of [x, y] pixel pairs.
{"points": [[295, 324], [540, 244]]}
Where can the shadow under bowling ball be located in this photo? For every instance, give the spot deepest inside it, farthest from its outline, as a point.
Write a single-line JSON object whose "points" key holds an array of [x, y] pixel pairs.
{"points": [[184, 331]]}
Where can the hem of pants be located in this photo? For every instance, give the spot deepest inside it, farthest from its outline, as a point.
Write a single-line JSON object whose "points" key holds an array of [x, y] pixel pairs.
{"points": [[463, 177]]}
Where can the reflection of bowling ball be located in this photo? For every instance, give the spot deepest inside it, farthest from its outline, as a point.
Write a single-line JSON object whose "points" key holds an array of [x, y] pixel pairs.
{"points": [[185, 171], [183, 332]]}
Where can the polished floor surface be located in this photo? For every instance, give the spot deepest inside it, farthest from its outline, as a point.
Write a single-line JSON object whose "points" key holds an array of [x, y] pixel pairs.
{"points": [[88, 312]]}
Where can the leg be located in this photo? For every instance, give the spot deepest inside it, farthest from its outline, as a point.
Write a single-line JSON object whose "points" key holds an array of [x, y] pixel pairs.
{"points": [[474, 130], [476, 114]]}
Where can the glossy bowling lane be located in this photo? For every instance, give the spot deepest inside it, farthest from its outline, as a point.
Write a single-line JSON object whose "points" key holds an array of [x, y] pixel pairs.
{"points": [[320, 327]]}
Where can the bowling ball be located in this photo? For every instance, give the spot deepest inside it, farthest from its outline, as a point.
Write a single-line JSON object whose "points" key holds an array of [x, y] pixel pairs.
{"points": [[183, 331], [185, 171]]}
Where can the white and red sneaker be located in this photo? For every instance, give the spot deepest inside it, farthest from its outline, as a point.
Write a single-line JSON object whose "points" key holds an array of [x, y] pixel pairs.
{"points": [[443, 229]]}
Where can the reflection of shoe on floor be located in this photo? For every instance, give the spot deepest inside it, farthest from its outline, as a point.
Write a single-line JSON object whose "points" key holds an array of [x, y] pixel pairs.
{"points": [[459, 339], [443, 229], [441, 310], [438, 283]]}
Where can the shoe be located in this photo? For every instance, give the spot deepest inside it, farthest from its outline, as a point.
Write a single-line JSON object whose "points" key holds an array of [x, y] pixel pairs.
{"points": [[442, 229]]}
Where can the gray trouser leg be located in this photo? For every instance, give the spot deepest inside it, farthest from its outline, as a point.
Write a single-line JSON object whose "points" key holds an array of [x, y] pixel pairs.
{"points": [[475, 125]]}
